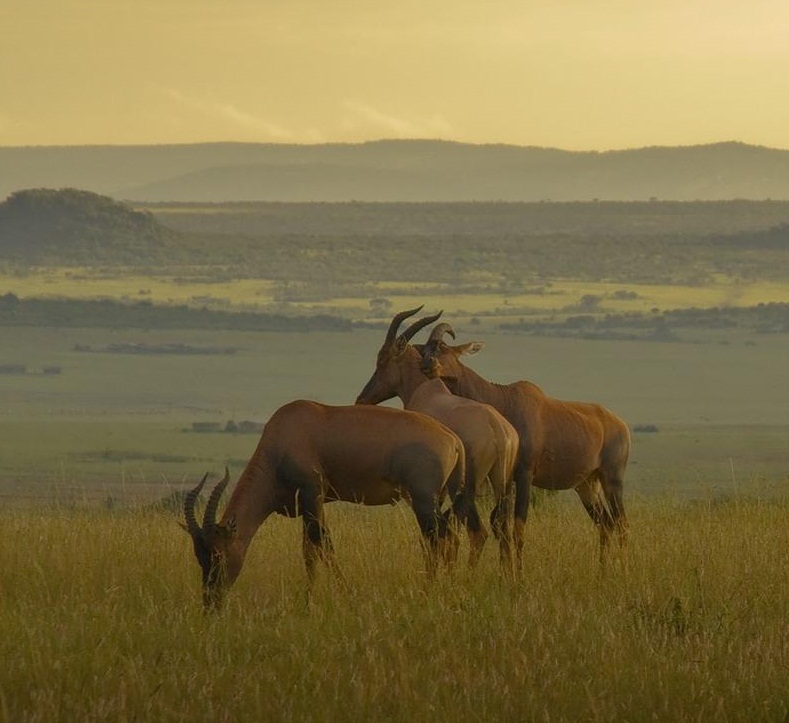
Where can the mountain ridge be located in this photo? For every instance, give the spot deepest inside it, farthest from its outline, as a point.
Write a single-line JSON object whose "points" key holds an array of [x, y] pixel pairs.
{"points": [[400, 170]]}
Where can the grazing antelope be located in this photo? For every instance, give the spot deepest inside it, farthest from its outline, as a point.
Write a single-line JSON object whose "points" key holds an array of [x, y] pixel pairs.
{"points": [[311, 453], [563, 445], [490, 441]]}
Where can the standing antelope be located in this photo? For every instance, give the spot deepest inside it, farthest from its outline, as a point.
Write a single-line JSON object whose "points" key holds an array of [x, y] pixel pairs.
{"points": [[563, 445], [311, 453], [490, 441]]}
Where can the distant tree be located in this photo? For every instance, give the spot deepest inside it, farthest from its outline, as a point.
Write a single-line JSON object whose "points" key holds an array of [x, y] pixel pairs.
{"points": [[589, 302], [9, 301], [624, 295], [380, 305]]}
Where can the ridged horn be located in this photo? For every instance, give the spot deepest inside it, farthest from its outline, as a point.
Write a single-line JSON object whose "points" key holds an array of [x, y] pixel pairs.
{"points": [[209, 518], [438, 333], [429, 362], [396, 321], [189, 508], [418, 325]]}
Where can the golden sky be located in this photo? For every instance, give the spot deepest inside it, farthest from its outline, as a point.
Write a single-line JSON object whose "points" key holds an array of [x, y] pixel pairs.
{"points": [[572, 74]]}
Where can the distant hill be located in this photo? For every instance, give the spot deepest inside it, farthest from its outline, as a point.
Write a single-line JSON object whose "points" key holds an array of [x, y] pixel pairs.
{"points": [[45, 225], [399, 171]]}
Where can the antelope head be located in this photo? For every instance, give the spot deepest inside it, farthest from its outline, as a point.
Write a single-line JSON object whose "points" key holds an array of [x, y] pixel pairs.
{"points": [[385, 381], [440, 359], [212, 544]]}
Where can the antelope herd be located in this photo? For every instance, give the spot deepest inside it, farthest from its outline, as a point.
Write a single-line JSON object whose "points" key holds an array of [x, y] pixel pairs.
{"points": [[455, 432]]}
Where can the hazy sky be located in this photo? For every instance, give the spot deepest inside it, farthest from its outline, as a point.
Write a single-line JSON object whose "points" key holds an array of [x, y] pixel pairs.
{"points": [[573, 74]]}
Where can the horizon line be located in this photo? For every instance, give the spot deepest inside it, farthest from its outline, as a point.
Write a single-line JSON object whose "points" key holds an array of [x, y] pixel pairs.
{"points": [[492, 144]]}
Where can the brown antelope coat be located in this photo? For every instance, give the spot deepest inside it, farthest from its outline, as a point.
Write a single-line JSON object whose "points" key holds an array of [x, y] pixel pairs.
{"points": [[562, 444], [490, 441], [311, 453]]}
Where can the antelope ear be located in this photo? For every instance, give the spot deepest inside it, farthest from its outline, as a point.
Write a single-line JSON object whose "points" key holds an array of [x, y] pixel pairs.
{"points": [[471, 348]]}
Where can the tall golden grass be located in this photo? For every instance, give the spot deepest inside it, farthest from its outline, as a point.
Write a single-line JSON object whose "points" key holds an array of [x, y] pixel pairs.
{"points": [[100, 620]]}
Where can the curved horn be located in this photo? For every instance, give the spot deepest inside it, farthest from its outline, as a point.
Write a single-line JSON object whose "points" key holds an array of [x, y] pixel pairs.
{"points": [[418, 325], [396, 321], [209, 518], [438, 332], [430, 346], [189, 508]]}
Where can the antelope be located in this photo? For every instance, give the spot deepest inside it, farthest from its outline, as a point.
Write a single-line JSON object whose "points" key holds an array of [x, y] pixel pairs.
{"points": [[311, 453], [490, 441], [562, 444]]}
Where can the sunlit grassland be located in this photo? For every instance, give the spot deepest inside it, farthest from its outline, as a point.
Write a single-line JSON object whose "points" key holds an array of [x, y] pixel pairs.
{"points": [[100, 620], [180, 286], [198, 287], [566, 295]]}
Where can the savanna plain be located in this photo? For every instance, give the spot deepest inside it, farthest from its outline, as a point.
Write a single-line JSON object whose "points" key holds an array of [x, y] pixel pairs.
{"points": [[100, 591], [100, 615]]}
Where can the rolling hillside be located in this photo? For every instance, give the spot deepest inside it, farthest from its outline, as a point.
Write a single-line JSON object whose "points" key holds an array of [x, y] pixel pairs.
{"points": [[42, 226]]}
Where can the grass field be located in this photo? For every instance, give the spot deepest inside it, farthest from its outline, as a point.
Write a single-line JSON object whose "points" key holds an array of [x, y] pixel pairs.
{"points": [[208, 288], [100, 616], [99, 591], [128, 463], [100, 620], [119, 425]]}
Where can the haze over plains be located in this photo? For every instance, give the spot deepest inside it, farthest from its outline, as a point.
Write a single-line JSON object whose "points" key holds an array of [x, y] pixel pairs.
{"points": [[570, 74]]}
